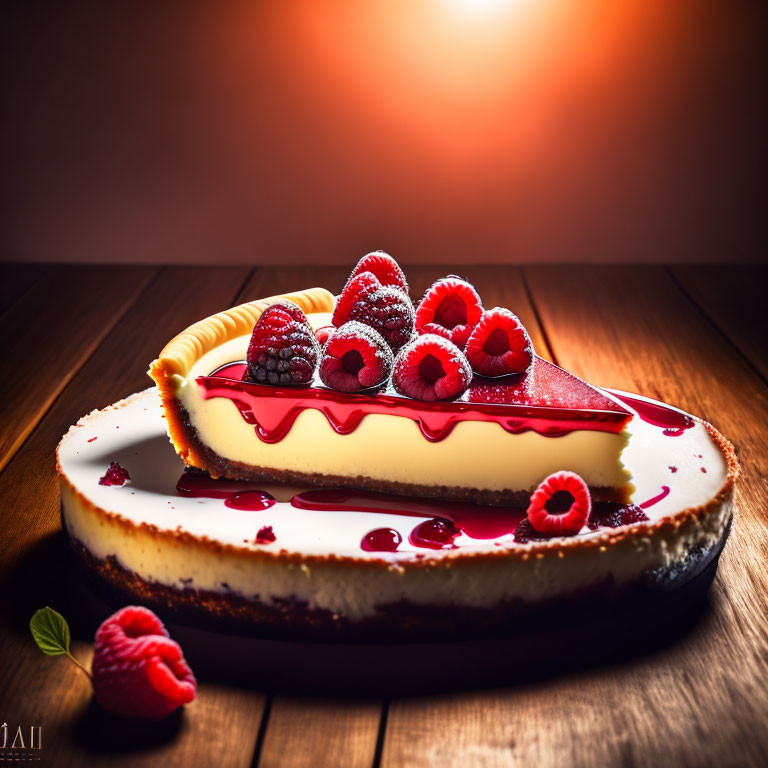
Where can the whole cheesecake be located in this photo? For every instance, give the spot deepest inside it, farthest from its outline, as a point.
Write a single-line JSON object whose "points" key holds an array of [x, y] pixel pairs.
{"points": [[472, 485]]}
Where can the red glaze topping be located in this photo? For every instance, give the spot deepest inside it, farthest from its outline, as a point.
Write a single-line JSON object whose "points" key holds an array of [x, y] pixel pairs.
{"points": [[546, 399], [673, 420]]}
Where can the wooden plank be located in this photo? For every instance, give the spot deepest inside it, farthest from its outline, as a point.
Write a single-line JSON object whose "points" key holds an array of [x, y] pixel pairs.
{"points": [[220, 727], [50, 332], [734, 296], [310, 733], [16, 280], [702, 699]]}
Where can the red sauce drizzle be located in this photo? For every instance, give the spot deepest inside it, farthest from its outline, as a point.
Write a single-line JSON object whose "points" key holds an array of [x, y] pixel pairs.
{"points": [[475, 520], [656, 499], [236, 494], [673, 420], [522, 403], [381, 540]]}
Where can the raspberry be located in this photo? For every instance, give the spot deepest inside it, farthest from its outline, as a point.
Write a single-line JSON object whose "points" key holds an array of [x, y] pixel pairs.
{"points": [[115, 475], [499, 344], [283, 350], [613, 514], [525, 532], [384, 267], [138, 671], [431, 368], [450, 308], [265, 535], [356, 357], [561, 505], [358, 286], [388, 311]]}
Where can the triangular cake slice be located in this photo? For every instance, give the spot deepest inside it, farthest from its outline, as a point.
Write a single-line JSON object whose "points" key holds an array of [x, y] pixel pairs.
{"points": [[493, 445]]}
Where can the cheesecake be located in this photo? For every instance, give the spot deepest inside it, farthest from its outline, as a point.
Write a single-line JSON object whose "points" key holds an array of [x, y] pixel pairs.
{"points": [[346, 562], [358, 463], [492, 445]]}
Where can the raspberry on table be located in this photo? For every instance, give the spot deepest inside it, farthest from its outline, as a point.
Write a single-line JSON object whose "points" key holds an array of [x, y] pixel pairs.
{"points": [[431, 368], [115, 475], [388, 311], [356, 288], [384, 267], [138, 671], [355, 358], [499, 344], [450, 308], [283, 349], [561, 505]]}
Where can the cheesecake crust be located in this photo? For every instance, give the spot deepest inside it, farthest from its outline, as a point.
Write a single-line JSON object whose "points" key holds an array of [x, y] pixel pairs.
{"points": [[180, 353]]}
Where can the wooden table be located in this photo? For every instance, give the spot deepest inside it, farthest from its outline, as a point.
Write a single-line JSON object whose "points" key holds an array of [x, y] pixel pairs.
{"points": [[78, 338]]}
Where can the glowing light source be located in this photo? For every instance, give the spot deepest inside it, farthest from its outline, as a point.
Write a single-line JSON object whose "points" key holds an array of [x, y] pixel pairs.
{"points": [[482, 7]]}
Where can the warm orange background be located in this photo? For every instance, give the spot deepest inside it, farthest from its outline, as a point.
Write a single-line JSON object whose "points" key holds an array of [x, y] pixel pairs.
{"points": [[440, 130]]}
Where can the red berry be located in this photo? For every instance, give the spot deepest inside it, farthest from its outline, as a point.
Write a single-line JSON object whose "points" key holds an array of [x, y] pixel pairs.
{"points": [[561, 505], [388, 311], [499, 344], [431, 368], [138, 671], [115, 475], [525, 532], [357, 286], [612, 515], [386, 269], [265, 535], [356, 357], [283, 350], [450, 308]]}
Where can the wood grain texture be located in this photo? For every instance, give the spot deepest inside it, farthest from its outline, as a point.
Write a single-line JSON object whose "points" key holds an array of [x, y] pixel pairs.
{"points": [[16, 280], [699, 701], [735, 298], [314, 732], [50, 332], [36, 689]]}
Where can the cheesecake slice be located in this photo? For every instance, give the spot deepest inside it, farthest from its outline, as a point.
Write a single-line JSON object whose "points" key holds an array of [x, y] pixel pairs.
{"points": [[492, 445]]}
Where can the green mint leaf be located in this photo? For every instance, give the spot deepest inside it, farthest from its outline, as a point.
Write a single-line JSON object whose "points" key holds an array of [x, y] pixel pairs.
{"points": [[50, 631]]}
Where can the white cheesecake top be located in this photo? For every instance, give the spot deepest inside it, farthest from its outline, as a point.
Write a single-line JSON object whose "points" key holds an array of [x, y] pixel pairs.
{"points": [[671, 473]]}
